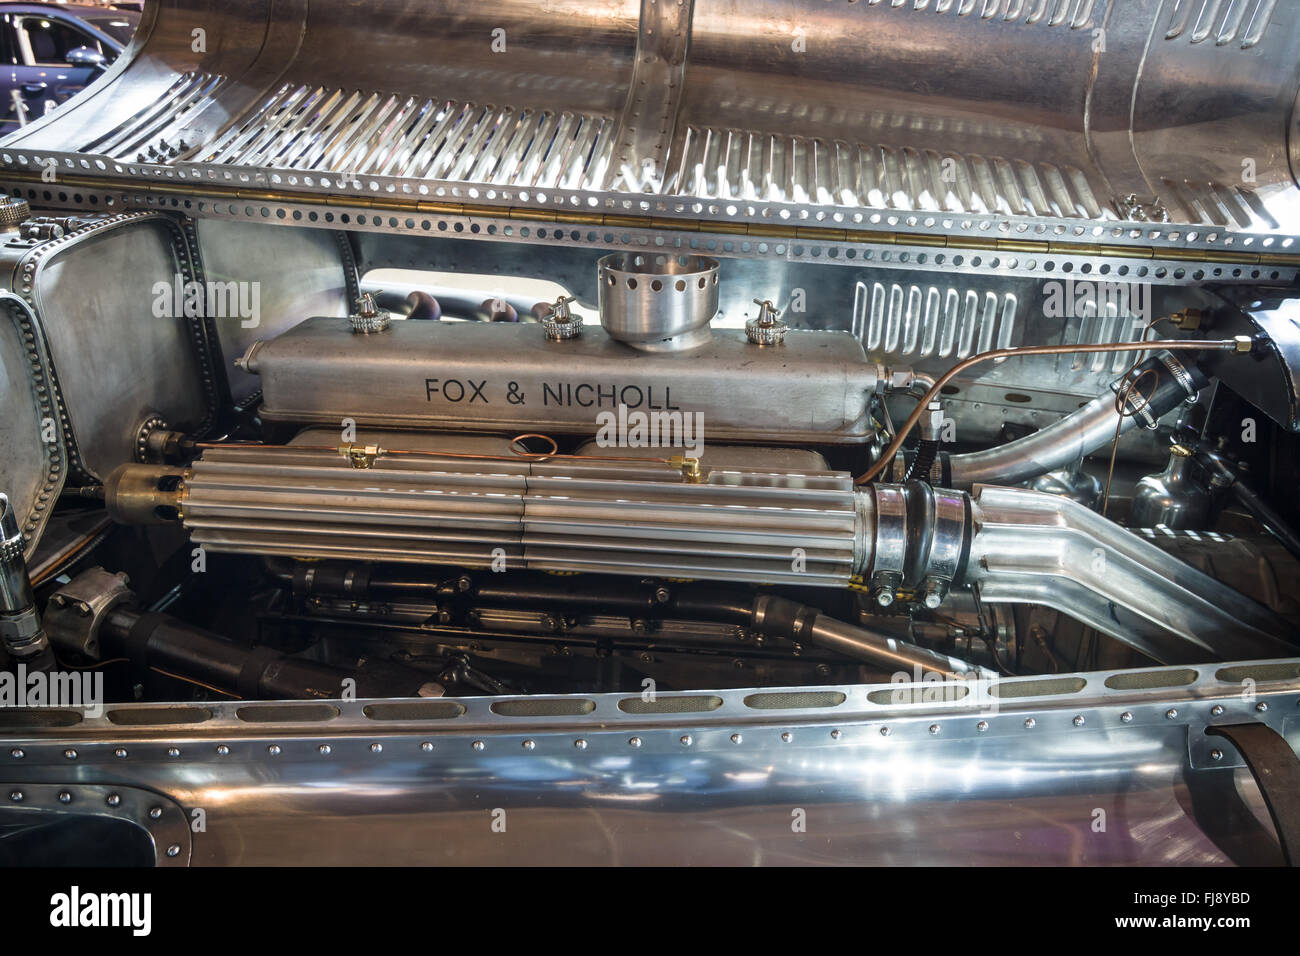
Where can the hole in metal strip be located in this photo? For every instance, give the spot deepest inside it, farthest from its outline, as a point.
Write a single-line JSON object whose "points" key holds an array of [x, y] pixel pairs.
{"points": [[1146, 680], [552, 707], [669, 705], [1038, 688], [414, 710], [1258, 672], [275, 713], [919, 694], [37, 717], [140, 716], [795, 700]]}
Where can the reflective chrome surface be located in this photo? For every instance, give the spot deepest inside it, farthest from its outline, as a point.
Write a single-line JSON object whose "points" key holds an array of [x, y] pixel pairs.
{"points": [[908, 182], [1045, 549], [1088, 769], [751, 112]]}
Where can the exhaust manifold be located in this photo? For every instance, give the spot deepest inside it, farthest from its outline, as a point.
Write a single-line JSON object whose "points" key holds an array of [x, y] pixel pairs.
{"points": [[645, 518]]}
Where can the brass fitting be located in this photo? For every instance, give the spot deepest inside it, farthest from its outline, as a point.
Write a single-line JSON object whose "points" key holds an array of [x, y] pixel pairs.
{"points": [[361, 456], [145, 494], [689, 467]]}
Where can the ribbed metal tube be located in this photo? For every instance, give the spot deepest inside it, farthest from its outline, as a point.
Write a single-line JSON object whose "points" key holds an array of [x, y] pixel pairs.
{"points": [[611, 517], [307, 502]]}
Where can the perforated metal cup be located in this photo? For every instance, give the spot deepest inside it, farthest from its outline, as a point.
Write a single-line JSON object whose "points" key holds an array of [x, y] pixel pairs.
{"points": [[658, 301]]}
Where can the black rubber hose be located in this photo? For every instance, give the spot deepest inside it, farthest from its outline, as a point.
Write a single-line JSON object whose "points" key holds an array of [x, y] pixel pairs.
{"points": [[1267, 516], [1263, 512], [162, 642]]}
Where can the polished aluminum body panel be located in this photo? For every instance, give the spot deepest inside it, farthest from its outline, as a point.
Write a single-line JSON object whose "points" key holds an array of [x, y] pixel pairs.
{"points": [[1073, 769], [757, 112], [297, 272], [33, 466], [93, 292]]}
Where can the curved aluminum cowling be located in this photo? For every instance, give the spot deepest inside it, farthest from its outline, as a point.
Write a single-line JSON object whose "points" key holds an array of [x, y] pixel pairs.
{"points": [[766, 112]]}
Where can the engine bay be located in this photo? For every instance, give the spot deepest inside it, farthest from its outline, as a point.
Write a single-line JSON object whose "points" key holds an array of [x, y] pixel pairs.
{"points": [[426, 503], [673, 380]]}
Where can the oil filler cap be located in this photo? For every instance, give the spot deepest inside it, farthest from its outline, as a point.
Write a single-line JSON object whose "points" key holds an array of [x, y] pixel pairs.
{"points": [[369, 318]]}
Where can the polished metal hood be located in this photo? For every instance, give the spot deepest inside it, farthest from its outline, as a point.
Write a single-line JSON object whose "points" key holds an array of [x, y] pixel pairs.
{"points": [[1162, 123]]}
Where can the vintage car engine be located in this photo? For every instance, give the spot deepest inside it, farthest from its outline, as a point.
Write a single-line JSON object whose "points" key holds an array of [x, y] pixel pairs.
{"points": [[689, 386]]}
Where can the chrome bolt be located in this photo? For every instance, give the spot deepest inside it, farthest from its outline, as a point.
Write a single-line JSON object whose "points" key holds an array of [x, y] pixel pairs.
{"points": [[635, 741], [222, 750], [1216, 754], [273, 750], [173, 752], [687, 740], [1078, 720], [174, 850], [885, 731], [477, 745], [427, 747], [65, 796], [17, 753], [16, 796], [324, 750], [836, 734], [1261, 706], [120, 753], [933, 592], [787, 737], [736, 738], [376, 748], [580, 744], [530, 745], [934, 728], [155, 813], [1030, 723], [1216, 710], [982, 726], [1126, 717], [114, 800], [884, 587], [70, 754], [1171, 713]]}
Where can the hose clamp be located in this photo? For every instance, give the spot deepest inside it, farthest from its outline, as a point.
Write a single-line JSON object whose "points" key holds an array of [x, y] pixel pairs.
{"points": [[1181, 375], [1138, 406]]}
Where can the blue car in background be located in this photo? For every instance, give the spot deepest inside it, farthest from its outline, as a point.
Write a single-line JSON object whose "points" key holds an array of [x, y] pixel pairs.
{"points": [[49, 52]]}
